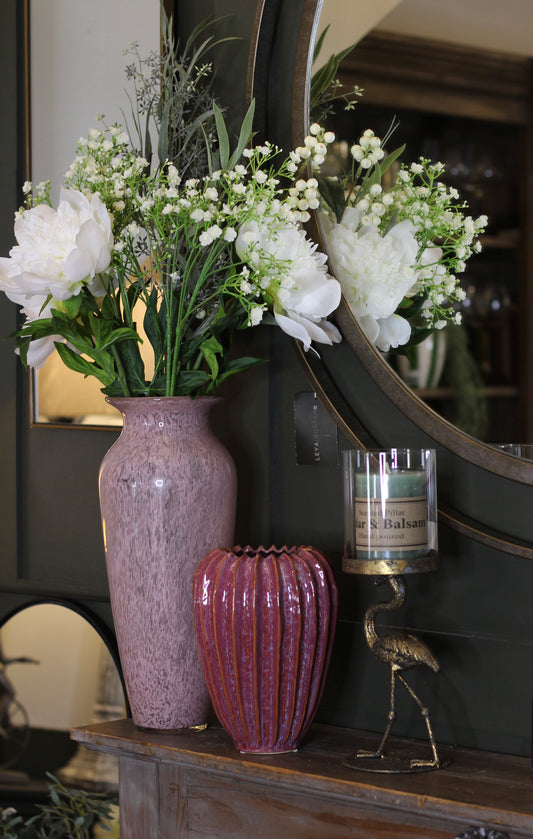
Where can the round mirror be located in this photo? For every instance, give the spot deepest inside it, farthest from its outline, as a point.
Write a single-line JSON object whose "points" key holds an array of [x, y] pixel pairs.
{"points": [[56, 672], [60, 396], [473, 374], [371, 404]]}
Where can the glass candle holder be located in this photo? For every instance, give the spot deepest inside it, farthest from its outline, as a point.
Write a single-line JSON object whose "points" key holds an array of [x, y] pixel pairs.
{"points": [[390, 511]]}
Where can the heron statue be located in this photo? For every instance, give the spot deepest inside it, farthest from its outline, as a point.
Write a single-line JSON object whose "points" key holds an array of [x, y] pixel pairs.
{"points": [[400, 650]]}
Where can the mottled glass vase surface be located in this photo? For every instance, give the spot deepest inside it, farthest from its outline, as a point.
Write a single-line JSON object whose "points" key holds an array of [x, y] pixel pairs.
{"points": [[265, 622], [167, 495]]}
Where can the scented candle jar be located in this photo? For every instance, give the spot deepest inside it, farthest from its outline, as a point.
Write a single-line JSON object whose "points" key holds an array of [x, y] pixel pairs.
{"points": [[390, 509]]}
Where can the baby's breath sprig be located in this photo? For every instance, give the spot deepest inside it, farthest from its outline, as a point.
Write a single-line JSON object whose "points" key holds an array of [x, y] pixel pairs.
{"points": [[35, 194]]}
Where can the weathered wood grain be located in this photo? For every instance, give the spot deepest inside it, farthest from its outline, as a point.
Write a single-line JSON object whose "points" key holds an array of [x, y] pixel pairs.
{"points": [[197, 785]]}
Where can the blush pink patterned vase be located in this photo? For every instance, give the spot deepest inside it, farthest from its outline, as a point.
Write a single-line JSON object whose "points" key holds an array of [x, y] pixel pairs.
{"points": [[167, 495], [265, 622]]}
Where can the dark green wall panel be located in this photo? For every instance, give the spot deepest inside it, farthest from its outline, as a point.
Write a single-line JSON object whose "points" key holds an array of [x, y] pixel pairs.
{"points": [[474, 611]]}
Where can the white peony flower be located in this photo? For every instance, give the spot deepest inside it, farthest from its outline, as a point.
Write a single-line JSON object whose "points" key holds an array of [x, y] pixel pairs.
{"points": [[376, 272], [303, 292], [386, 333], [33, 307], [61, 250]]}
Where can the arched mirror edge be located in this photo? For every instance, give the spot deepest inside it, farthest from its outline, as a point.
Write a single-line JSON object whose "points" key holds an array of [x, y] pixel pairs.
{"points": [[460, 445], [107, 635]]}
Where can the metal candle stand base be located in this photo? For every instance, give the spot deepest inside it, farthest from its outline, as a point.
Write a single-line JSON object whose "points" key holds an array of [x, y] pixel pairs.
{"points": [[400, 651]]}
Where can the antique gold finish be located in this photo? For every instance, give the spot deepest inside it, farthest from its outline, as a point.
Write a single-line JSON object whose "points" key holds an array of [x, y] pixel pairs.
{"points": [[399, 650], [377, 567]]}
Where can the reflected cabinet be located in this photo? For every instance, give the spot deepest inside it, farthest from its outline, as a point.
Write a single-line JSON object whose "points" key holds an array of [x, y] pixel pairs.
{"points": [[473, 111]]}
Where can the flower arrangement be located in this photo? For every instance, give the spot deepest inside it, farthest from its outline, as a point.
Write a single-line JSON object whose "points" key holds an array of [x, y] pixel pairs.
{"points": [[174, 250], [396, 244]]}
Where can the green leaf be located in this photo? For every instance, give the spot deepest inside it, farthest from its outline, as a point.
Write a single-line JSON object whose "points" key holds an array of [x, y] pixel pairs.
{"points": [[152, 327], [190, 381], [210, 349], [320, 42], [237, 365], [245, 135], [72, 306], [325, 75], [419, 334], [192, 129], [106, 334], [411, 306], [333, 194], [130, 356], [79, 364], [389, 160], [223, 139], [35, 329], [162, 146], [81, 342], [147, 136]]}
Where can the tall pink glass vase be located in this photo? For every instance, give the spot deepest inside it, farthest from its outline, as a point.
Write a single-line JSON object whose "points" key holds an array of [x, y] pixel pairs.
{"points": [[265, 621], [167, 496]]}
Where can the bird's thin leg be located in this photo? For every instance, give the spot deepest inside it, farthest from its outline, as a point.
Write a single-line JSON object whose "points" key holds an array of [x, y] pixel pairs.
{"points": [[424, 710], [391, 716]]}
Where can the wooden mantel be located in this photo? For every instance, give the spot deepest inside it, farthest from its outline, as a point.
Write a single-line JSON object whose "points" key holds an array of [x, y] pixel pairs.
{"points": [[198, 785]]}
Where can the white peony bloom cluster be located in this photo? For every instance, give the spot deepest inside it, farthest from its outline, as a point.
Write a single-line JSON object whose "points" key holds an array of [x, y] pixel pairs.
{"points": [[58, 252], [375, 272], [289, 270]]}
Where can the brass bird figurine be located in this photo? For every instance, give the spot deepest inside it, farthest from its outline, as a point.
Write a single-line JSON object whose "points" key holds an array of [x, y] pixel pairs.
{"points": [[400, 650]]}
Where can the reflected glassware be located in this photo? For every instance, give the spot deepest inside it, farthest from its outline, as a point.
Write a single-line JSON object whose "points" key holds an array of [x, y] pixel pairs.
{"points": [[524, 450]]}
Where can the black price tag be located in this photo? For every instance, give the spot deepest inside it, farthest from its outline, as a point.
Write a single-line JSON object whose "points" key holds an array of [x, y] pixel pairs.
{"points": [[316, 434]]}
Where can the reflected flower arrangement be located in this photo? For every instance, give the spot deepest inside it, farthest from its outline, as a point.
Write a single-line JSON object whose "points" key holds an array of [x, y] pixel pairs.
{"points": [[397, 236]]}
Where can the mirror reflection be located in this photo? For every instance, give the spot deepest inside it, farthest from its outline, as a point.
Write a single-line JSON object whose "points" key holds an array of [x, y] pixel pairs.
{"points": [[56, 673], [451, 106], [58, 112]]}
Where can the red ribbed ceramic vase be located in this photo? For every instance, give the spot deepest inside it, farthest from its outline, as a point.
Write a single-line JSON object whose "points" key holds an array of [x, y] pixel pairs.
{"points": [[265, 622], [167, 495]]}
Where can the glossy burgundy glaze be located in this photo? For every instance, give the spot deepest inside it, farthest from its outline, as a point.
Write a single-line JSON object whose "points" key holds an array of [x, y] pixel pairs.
{"points": [[265, 622], [167, 495]]}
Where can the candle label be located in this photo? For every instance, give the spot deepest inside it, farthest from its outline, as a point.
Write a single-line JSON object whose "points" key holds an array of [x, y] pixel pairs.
{"points": [[392, 523]]}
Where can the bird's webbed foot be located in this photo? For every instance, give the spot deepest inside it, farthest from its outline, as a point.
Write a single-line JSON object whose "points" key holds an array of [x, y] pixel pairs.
{"points": [[391, 716]]}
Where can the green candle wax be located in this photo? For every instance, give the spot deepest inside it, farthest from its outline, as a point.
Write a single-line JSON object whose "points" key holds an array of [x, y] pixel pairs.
{"points": [[391, 514]]}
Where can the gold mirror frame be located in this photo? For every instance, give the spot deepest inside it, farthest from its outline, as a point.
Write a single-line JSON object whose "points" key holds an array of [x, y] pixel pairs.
{"points": [[320, 372]]}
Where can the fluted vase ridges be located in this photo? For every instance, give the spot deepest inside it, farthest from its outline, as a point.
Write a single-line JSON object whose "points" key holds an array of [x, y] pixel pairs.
{"points": [[265, 621]]}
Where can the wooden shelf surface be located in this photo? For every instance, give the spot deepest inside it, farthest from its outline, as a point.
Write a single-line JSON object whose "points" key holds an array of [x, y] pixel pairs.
{"points": [[475, 788]]}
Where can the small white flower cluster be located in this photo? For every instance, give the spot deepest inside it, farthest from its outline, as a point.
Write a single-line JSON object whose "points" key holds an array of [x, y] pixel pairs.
{"points": [[374, 205], [368, 151], [105, 164], [446, 237], [314, 149], [303, 196]]}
